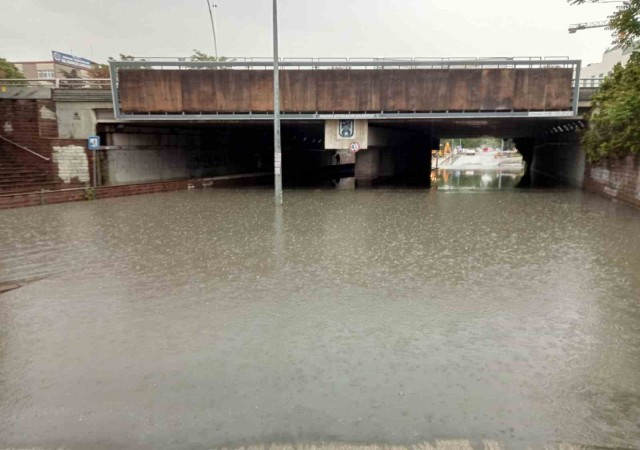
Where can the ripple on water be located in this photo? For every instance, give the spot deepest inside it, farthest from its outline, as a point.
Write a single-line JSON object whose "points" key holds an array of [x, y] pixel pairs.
{"points": [[201, 319]]}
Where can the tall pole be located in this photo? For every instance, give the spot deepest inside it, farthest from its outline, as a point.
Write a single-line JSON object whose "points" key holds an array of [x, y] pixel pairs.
{"points": [[277, 150], [213, 28]]}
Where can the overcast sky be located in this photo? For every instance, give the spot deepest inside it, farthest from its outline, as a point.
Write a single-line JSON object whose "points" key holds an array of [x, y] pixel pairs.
{"points": [[97, 29]]}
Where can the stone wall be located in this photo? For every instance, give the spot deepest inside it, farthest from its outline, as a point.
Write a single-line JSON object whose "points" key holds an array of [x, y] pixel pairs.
{"points": [[616, 178]]}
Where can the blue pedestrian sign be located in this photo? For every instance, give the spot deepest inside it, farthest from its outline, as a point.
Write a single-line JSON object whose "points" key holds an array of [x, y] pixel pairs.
{"points": [[94, 143]]}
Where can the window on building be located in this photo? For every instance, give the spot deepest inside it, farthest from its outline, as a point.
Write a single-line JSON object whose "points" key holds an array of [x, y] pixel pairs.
{"points": [[46, 74]]}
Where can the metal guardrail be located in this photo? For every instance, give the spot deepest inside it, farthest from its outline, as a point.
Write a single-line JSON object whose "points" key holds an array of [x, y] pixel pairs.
{"points": [[93, 83], [59, 83], [589, 82], [347, 63], [254, 59], [21, 147]]}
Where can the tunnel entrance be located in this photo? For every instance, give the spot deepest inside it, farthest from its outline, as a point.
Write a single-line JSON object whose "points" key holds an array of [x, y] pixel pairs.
{"points": [[159, 151], [392, 153]]}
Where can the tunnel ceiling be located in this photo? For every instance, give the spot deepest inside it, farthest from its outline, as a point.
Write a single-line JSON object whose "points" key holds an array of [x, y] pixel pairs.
{"points": [[471, 127], [503, 127]]}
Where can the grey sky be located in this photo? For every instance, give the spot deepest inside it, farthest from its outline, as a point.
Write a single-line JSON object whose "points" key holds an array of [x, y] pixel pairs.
{"points": [[97, 29]]}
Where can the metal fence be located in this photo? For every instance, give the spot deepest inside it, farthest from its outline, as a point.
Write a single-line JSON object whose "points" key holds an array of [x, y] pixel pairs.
{"points": [[60, 83], [246, 63], [590, 82]]}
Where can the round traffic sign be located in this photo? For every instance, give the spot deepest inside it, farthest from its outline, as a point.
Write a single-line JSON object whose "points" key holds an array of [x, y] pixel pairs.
{"points": [[354, 147]]}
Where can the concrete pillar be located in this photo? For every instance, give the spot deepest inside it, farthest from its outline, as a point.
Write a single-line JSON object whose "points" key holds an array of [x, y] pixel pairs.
{"points": [[333, 140], [367, 167], [526, 147], [340, 145]]}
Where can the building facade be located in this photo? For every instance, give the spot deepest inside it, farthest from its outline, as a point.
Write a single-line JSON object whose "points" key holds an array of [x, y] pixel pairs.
{"points": [[603, 68], [60, 66]]}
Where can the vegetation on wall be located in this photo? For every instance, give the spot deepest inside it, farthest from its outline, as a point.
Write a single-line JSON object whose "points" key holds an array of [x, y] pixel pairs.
{"points": [[199, 56], [614, 120]]}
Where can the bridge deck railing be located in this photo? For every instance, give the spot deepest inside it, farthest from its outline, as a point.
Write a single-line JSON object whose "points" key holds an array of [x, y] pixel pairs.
{"points": [[59, 83], [253, 63]]}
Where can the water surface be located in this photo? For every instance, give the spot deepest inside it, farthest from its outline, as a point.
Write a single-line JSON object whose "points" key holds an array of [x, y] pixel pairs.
{"points": [[201, 319]]}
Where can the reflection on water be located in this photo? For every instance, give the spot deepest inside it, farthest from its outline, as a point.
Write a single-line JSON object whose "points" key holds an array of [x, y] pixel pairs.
{"points": [[488, 179]]}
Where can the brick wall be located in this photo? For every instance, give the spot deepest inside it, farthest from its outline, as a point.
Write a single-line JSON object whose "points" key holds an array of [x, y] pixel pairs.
{"points": [[46, 197], [617, 178], [33, 124]]}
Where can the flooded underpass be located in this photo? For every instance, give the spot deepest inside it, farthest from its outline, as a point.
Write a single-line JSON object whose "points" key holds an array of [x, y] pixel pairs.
{"points": [[203, 319]]}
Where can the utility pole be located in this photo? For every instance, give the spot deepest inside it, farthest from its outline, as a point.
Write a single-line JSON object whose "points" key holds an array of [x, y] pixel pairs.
{"points": [[213, 27], [277, 149]]}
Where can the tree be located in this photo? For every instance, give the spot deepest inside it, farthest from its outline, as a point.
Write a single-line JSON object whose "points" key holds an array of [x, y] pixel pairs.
{"points": [[199, 56], [9, 71], [123, 57], [614, 120], [71, 74], [99, 71]]}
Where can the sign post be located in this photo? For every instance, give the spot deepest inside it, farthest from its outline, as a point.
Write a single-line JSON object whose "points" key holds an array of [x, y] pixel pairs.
{"points": [[93, 144]]}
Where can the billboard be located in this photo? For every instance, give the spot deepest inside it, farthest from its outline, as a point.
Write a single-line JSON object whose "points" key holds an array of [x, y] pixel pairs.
{"points": [[70, 60]]}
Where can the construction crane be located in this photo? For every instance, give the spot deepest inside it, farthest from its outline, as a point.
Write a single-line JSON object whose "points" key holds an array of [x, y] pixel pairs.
{"points": [[583, 26]]}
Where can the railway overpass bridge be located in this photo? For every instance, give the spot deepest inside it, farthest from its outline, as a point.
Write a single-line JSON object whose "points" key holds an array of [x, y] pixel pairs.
{"points": [[166, 119], [399, 108]]}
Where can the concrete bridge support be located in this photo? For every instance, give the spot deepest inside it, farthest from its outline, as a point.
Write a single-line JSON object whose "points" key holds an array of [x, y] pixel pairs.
{"points": [[386, 154]]}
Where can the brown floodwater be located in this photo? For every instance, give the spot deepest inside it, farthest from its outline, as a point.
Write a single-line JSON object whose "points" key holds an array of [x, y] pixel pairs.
{"points": [[202, 319]]}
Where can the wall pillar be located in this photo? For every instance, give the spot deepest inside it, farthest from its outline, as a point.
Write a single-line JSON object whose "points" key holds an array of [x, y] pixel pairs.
{"points": [[340, 146], [558, 158], [367, 167]]}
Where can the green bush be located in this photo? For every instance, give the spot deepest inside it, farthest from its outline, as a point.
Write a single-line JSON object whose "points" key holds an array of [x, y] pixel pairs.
{"points": [[614, 121]]}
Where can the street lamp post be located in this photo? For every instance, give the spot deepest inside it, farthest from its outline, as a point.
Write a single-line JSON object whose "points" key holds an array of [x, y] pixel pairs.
{"points": [[213, 28], [277, 150]]}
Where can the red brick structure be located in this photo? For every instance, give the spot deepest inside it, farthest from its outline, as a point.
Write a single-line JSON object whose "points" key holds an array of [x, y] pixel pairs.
{"points": [[616, 178], [32, 124], [45, 197]]}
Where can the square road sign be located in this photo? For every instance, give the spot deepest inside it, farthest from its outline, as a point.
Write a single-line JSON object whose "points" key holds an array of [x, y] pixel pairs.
{"points": [[93, 143]]}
